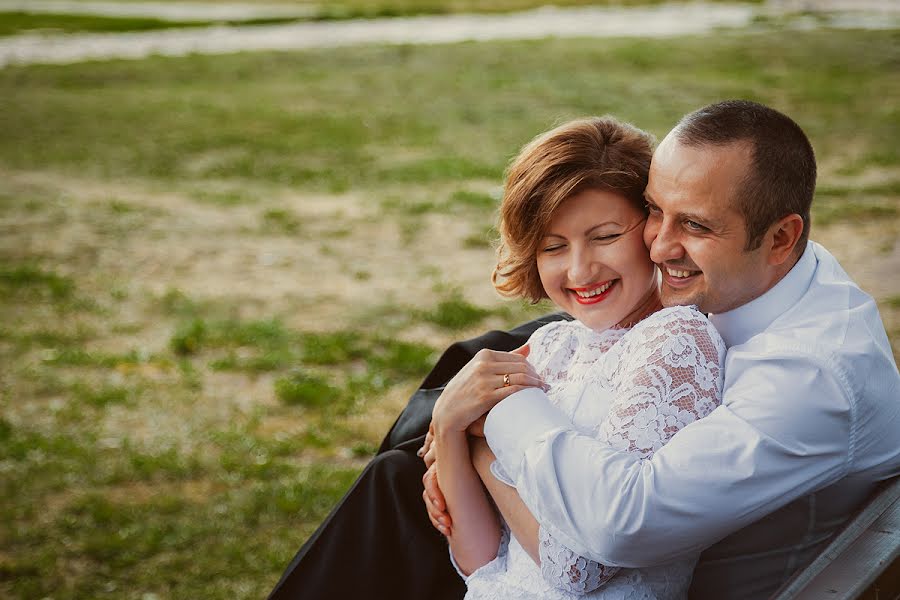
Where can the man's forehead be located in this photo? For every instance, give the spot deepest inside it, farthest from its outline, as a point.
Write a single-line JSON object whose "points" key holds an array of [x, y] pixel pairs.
{"points": [[731, 156], [716, 169]]}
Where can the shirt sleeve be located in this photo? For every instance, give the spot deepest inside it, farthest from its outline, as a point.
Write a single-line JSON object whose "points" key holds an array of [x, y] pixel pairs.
{"points": [[782, 431]]}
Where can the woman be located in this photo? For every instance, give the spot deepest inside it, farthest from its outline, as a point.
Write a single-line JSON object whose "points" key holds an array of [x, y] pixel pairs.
{"points": [[625, 371]]}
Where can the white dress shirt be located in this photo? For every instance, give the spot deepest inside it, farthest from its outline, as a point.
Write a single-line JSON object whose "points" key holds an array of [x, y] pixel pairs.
{"points": [[810, 416]]}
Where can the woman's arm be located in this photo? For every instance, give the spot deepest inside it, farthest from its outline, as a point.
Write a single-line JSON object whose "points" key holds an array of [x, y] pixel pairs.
{"points": [[484, 381], [475, 536], [519, 519]]}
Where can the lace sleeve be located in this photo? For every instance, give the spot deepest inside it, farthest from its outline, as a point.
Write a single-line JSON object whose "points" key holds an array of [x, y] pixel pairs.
{"points": [[567, 571], [671, 376]]}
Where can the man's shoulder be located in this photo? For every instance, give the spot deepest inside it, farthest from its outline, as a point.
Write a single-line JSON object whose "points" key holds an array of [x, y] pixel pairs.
{"points": [[833, 318]]}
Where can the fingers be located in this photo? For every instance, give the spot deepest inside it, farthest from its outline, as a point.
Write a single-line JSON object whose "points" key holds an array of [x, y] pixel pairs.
{"points": [[430, 457], [525, 380], [501, 393], [435, 504], [499, 356], [435, 517], [523, 350], [429, 440]]}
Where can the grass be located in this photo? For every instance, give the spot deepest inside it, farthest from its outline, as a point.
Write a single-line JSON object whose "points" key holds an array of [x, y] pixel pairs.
{"points": [[221, 277], [268, 117]]}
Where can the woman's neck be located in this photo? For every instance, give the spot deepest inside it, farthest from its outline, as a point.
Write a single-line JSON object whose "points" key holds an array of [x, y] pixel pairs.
{"points": [[646, 307]]}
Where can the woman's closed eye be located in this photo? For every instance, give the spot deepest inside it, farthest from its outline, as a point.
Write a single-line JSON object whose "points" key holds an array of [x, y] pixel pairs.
{"points": [[607, 237]]}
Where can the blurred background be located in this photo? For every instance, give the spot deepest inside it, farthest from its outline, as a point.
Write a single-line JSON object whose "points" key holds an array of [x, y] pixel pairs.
{"points": [[234, 238]]}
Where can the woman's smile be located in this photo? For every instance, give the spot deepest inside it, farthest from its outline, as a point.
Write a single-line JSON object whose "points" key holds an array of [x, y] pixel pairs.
{"points": [[593, 263], [593, 294]]}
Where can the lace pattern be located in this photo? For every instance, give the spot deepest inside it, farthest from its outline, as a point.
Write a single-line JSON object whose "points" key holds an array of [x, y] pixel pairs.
{"points": [[632, 389], [566, 570]]}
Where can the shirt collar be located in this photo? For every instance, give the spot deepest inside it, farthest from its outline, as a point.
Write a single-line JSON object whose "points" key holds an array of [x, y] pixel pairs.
{"points": [[740, 324]]}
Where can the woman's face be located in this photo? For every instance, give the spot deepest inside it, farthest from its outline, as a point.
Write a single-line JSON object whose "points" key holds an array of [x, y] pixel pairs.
{"points": [[592, 260]]}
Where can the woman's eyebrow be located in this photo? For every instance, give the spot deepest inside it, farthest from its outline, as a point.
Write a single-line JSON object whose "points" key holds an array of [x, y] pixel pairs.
{"points": [[587, 232]]}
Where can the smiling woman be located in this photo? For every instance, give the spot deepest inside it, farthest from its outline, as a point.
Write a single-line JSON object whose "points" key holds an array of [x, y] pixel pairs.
{"points": [[570, 223], [594, 264]]}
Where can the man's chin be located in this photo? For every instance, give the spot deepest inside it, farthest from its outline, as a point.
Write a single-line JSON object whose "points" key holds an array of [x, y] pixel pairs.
{"points": [[670, 297]]}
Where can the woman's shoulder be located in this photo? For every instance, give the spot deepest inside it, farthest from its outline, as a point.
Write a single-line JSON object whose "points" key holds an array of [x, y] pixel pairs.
{"points": [[675, 316], [556, 329], [553, 334], [678, 321]]}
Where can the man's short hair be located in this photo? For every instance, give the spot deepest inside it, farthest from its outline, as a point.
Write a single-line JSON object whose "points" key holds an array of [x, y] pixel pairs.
{"points": [[781, 179], [598, 153]]}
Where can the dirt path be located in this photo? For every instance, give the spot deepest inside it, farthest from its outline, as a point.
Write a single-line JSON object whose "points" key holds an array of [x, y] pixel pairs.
{"points": [[654, 21], [665, 20], [167, 11]]}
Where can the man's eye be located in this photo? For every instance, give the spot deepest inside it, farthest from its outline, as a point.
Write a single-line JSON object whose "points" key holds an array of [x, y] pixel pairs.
{"points": [[694, 225], [652, 208]]}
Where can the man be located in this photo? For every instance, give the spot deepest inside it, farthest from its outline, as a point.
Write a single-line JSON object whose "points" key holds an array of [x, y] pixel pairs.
{"points": [[810, 419]]}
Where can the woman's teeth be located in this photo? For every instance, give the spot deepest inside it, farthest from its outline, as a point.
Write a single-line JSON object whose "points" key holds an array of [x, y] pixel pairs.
{"points": [[595, 291], [677, 273]]}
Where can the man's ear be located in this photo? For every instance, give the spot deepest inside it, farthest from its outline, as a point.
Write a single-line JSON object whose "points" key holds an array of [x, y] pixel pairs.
{"points": [[783, 237]]}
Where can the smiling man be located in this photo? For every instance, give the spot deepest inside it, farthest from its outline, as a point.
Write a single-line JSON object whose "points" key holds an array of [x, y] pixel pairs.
{"points": [[810, 418], [809, 422]]}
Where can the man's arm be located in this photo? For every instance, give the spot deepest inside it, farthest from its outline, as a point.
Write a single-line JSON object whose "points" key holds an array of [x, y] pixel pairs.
{"points": [[763, 448]]}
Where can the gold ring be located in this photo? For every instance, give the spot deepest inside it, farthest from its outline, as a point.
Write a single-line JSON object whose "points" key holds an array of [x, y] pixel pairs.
{"points": [[506, 380]]}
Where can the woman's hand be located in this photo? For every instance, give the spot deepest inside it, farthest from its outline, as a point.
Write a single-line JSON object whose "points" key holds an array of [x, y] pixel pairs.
{"points": [[435, 504], [487, 379]]}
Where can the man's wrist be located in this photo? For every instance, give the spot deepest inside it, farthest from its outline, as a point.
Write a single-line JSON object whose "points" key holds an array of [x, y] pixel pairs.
{"points": [[517, 422]]}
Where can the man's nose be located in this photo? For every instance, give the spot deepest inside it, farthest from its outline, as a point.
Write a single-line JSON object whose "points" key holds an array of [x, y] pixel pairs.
{"points": [[663, 242]]}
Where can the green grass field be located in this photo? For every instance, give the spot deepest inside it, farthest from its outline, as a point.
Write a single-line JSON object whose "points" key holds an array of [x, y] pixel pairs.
{"points": [[221, 277]]}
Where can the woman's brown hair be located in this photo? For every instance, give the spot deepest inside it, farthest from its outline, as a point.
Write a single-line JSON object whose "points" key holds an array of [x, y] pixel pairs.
{"points": [[595, 153]]}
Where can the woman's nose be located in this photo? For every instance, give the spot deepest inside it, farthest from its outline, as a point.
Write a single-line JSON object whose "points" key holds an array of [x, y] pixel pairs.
{"points": [[581, 267]]}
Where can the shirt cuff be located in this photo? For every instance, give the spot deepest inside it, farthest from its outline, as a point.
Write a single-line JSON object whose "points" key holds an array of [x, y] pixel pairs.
{"points": [[500, 475], [518, 421]]}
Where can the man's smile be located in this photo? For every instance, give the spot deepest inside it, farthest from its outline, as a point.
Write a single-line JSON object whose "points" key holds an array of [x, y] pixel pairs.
{"points": [[678, 277]]}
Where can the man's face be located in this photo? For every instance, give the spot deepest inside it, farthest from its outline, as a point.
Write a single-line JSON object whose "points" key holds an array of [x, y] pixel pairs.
{"points": [[694, 232]]}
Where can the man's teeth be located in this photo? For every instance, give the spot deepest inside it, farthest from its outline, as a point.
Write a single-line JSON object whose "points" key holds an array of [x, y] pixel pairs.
{"points": [[595, 292], [677, 273]]}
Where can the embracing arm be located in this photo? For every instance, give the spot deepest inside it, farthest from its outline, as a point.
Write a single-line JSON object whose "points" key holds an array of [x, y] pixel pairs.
{"points": [[757, 452]]}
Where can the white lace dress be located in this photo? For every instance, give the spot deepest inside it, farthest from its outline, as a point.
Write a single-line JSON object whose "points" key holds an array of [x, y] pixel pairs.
{"points": [[633, 389]]}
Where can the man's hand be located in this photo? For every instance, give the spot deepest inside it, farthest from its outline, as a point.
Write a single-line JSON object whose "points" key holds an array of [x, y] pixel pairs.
{"points": [[435, 504]]}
